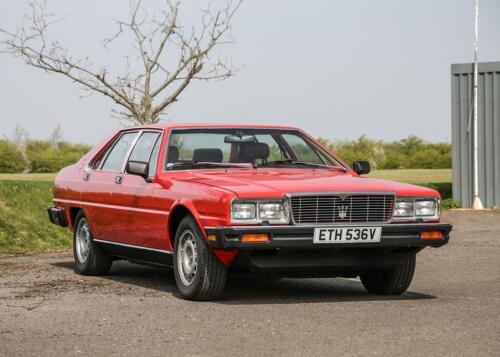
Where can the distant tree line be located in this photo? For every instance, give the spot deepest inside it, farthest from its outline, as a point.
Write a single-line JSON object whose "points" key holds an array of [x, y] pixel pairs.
{"points": [[22, 154], [409, 153]]}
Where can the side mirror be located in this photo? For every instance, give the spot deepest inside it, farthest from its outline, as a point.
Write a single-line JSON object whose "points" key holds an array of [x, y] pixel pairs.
{"points": [[139, 168], [361, 167]]}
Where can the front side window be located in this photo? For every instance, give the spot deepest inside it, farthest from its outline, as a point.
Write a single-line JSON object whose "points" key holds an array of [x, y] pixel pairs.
{"points": [[201, 148], [146, 150], [115, 157], [153, 161]]}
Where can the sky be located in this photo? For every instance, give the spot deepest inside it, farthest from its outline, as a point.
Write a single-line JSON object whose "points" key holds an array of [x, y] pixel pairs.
{"points": [[338, 69]]}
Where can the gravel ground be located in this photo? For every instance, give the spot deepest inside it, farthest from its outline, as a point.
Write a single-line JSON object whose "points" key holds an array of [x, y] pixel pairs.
{"points": [[452, 308]]}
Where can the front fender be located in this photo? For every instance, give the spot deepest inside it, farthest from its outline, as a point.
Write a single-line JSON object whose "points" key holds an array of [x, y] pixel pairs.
{"points": [[225, 256]]}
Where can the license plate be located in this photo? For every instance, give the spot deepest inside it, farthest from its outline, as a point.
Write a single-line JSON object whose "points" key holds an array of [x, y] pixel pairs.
{"points": [[347, 235]]}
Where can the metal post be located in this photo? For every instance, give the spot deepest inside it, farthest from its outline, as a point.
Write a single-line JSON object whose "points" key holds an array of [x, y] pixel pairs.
{"points": [[476, 202]]}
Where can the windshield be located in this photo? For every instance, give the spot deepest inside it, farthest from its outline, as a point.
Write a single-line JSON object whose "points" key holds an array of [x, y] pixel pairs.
{"points": [[207, 148]]}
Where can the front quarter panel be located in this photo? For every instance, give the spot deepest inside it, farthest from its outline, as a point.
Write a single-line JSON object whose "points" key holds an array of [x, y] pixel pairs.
{"points": [[208, 205]]}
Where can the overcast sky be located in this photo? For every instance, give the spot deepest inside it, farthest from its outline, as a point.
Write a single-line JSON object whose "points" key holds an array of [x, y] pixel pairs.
{"points": [[338, 69]]}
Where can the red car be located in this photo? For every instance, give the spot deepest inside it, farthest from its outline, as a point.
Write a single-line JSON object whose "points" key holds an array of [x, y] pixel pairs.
{"points": [[269, 200]]}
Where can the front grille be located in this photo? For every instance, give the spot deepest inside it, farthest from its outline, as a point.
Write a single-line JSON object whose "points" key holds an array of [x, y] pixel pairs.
{"points": [[336, 208]]}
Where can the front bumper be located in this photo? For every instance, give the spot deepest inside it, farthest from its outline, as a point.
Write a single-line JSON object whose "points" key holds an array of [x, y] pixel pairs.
{"points": [[301, 237], [291, 251]]}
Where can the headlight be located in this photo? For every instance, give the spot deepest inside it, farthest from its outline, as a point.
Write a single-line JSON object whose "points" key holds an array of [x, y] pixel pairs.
{"points": [[425, 208], [259, 211], [404, 209], [243, 211], [270, 211], [416, 208]]}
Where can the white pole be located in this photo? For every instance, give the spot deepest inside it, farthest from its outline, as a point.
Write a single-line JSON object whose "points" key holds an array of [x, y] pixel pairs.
{"points": [[476, 202]]}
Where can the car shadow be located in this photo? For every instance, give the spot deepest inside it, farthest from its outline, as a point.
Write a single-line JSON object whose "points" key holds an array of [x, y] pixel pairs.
{"points": [[241, 291], [246, 290], [143, 276]]}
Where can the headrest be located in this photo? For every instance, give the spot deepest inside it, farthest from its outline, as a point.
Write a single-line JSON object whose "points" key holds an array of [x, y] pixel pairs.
{"points": [[207, 155], [253, 151], [173, 154]]}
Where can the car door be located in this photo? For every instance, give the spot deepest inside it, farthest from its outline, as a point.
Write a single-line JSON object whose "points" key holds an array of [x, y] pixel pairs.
{"points": [[107, 214], [148, 221]]}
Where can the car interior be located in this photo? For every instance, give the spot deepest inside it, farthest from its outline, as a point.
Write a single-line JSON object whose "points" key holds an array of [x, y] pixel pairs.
{"points": [[240, 153]]}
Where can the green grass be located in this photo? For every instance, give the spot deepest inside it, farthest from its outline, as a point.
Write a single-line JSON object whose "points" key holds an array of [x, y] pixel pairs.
{"points": [[437, 179], [24, 224], [24, 198], [415, 176], [28, 177]]}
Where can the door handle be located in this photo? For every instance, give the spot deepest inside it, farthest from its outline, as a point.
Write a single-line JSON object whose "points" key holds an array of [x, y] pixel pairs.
{"points": [[118, 179]]}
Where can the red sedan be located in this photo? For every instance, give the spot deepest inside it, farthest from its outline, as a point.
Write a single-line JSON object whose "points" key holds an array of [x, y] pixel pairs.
{"points": [[268, 200]]}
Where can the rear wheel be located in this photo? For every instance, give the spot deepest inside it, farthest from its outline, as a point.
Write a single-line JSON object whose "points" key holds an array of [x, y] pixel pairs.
{"points": [[393, 281], [198, 272], [89, 258]]}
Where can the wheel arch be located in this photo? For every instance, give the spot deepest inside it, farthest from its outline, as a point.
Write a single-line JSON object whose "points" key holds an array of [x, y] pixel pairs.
{"points": [[73, 212], [180, 210]]}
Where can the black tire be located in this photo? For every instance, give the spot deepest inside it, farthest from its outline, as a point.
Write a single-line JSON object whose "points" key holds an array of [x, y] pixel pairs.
{"points": [[209, 278], [392, 281], [97, 262]]}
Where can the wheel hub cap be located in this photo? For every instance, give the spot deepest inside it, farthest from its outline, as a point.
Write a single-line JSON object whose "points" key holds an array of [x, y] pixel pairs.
{"points": [[187, 258], [82, 240]]}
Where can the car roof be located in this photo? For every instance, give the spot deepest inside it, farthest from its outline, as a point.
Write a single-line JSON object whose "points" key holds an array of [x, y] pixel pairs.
{"points": [[212, 126]]}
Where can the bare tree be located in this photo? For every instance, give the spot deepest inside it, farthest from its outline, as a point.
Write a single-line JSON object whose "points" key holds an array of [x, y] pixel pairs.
{"points": [[20, 136], [56, 136], [170, 56]]}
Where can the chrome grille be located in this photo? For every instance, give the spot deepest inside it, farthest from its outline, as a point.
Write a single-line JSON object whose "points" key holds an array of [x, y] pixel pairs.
{"points": [[340, 208]]}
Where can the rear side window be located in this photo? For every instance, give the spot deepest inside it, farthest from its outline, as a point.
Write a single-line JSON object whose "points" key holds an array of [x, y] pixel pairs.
{"points": [[146, 150], [116, 156]]}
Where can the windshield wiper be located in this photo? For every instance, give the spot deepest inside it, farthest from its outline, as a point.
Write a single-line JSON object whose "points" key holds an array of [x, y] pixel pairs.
{"points": [[296, 162], [201, 164]]}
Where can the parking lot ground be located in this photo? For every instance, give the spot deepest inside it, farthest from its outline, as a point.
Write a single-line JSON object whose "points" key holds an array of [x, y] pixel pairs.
{"points": [[452, 308]]}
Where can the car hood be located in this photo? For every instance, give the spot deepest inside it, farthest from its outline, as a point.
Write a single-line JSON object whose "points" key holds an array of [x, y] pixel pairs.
{"points": [[277, 183]]}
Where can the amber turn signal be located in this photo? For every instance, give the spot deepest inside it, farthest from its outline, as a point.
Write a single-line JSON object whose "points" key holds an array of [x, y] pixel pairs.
{"points": [[431, 235], [255, 238], [212, 237]]}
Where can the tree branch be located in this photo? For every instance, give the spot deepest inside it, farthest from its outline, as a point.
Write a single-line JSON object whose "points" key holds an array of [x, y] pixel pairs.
{"points": [[154, 40]]}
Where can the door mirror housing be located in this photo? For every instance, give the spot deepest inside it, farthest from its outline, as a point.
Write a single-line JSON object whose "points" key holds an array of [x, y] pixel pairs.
{"points": [[139, 168], [361, 167]]}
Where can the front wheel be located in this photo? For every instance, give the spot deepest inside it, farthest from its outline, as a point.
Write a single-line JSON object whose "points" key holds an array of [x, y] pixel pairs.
{"points": [[198, 272], [393, 281]]}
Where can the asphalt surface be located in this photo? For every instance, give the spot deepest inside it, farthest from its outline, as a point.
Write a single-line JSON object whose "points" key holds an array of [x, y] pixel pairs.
{"points": [[451, 309]]}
